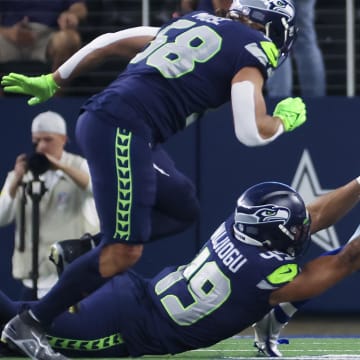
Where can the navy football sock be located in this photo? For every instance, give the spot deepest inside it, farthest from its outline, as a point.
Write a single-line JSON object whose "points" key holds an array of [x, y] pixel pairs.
{"points": [[79, 279]]}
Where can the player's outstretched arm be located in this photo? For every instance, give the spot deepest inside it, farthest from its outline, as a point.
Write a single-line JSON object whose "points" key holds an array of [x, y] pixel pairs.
{"points": [[124, 43], [41, 88], [329, 208], [320, 274], [253, 125]]}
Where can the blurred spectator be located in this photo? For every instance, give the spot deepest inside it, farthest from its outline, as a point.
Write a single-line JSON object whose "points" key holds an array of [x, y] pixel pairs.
{"points": [[122, 13], [110, 16], [308, 58], [66, 208], [187, 6], [42, 30], [164, 11], [204, 5], [213, 5]]}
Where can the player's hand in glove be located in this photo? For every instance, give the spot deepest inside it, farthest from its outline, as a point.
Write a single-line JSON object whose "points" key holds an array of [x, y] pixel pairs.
{"points": [[292, 112], [41, 87]]}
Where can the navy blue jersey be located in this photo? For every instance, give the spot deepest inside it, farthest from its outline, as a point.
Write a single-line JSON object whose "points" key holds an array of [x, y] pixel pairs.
{"points": [[221, 292], [224, 290], [187, 69]]}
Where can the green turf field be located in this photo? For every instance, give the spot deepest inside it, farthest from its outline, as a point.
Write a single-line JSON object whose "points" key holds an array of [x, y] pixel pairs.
{"points": [[335, 348], [307, 348]]}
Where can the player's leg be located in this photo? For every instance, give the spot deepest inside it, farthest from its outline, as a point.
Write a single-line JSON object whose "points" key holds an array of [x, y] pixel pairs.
{"points": [[9, 308], [268, 329], [95, 330], [124, 190], [108, 152], [176, 206]]}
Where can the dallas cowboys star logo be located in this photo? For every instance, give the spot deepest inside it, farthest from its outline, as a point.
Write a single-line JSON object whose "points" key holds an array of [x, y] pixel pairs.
{"points": [[307, 184]]}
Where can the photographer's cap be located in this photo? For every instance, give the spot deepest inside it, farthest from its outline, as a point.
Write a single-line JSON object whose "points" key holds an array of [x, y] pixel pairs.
{"points": [[49, 121]]}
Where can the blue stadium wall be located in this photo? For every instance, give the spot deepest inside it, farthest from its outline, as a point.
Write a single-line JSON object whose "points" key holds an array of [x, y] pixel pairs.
{"points": [[315, 158]]}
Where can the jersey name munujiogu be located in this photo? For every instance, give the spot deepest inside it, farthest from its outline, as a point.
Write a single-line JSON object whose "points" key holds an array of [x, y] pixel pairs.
{"points": [[186, 69], [224, 290]]}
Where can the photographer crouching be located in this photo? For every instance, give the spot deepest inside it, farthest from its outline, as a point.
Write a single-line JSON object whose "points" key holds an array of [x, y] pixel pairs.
{"points": [[59, 183]]}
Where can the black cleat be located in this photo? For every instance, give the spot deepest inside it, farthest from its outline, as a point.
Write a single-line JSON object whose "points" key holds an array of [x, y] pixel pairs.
{"points": [[26, 335], [64, 252]]}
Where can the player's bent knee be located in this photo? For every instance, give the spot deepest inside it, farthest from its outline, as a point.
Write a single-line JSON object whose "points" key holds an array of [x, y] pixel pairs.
{"points": [[193, 210], [189, 207]]}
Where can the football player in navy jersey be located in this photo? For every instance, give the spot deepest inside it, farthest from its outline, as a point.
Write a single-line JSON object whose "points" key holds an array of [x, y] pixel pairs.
{"points": [[248, 265], [268, 329], [194, 63]]}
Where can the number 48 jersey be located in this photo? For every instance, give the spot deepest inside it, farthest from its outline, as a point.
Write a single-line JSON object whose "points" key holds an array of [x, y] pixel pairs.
{"points": [[224, 290], [186, 69]]}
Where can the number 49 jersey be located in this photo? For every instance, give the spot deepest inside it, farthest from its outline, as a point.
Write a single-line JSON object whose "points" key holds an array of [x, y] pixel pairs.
{"points": [[224, 290], [187, 69]]}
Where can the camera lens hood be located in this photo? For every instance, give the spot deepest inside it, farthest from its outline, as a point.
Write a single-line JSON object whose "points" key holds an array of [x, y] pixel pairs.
{"points": [[38, 163]]}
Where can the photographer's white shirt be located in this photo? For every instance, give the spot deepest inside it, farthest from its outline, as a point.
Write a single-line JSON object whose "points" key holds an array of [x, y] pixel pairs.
{"points": [[66, 212]]}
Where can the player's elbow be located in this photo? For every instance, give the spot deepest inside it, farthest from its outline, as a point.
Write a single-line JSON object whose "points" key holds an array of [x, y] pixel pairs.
{"points": [[350, 256], [249, 138], [251, 135]]}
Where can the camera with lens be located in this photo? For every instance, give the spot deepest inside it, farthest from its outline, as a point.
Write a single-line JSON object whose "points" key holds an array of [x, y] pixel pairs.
{"points": [[38, 163]]}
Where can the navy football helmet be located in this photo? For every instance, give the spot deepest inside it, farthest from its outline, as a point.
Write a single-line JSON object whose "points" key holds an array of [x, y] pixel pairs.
{"points": [[276, 16], [274, 216]]}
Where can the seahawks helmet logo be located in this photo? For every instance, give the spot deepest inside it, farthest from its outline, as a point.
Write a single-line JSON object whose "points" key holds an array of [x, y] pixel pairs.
{"points": [[281, 7], [262, 214], [245, 7]]}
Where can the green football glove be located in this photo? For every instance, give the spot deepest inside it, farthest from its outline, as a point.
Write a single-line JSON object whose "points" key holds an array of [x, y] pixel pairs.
{"points": [[292, 112], [41, 87]]}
